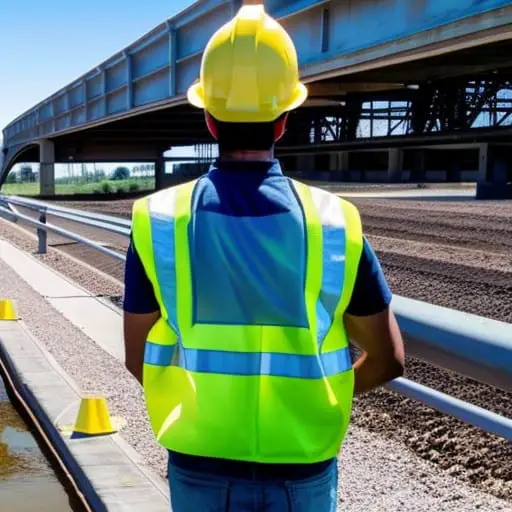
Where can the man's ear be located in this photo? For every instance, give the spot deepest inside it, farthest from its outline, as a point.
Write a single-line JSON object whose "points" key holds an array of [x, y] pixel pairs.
{"points": [[280, 127], [210, 123]]}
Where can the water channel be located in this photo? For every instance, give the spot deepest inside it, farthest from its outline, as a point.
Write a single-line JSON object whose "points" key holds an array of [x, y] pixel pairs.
{"points": [[27, 482]]}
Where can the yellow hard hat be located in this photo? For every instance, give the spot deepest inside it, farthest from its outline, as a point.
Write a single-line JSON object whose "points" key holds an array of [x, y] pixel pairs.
{"points": [[249, 71]]}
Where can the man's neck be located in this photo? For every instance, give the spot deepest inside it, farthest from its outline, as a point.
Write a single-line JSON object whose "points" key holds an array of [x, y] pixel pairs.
{"points": [[248, 156]]}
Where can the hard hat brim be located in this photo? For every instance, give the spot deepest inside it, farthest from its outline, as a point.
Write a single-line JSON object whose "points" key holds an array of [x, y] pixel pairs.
{"points": [[195, 96], [300, 96]]}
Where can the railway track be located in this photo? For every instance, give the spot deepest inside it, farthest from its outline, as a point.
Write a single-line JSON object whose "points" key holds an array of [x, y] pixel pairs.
{"points": [[453, 254]]}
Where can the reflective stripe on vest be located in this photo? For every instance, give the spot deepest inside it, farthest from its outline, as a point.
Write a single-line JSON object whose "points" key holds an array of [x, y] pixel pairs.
{"points": [[333, 265], [161, 211], [249, 363]]}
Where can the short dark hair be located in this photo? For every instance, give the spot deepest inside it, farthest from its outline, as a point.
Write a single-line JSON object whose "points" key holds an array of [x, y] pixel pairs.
{"points": [[245, 136]]}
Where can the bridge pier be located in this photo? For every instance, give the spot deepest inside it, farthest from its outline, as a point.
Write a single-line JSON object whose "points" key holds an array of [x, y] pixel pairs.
{"points": [[46, 168], [339, 165], [306, 163], [454, 172], [334, 162], [160, 172], [494, 172], [419, 165], [344, 161], [395, 165]]}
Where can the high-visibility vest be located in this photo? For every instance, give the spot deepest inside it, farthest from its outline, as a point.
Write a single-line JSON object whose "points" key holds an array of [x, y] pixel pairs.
{"points": [[259, 393]]}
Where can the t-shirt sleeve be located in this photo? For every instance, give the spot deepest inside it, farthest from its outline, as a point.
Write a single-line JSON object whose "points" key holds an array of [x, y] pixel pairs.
{"points": [[371, 294], [139, 296]]}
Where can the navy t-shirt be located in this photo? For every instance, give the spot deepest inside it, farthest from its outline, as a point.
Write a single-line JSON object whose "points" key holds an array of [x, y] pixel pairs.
{"points": [[255, 189]]}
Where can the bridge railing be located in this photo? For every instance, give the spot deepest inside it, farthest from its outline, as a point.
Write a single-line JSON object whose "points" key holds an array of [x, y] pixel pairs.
{"points": [[476, 347]]}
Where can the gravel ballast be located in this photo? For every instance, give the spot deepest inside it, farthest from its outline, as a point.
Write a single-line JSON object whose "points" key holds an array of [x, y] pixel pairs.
{"points": [[451, 253], [376, 474]]}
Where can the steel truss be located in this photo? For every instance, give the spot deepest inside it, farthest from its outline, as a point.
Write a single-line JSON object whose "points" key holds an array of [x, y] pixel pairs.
{"points": [[442, 107]]}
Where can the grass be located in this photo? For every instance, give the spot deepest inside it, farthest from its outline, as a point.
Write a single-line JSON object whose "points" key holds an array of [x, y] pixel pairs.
{"points": [[15, 189], [101, 187]]}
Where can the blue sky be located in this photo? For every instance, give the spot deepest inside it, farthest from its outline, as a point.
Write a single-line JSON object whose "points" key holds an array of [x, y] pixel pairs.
{"points": [[45, 44]]}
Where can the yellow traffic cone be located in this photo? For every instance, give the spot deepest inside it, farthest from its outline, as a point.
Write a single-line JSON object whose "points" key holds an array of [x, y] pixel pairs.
{"points": [[7, 310], [93, 418]]}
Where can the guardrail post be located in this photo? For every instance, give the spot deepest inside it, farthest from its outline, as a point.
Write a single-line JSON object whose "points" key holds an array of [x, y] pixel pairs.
{"points": [[42, 235]]}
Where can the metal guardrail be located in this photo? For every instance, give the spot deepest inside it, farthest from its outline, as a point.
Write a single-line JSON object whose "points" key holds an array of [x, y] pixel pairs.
{"points": [[477, 347], [119, 226], [107, 222], [469, 413]]}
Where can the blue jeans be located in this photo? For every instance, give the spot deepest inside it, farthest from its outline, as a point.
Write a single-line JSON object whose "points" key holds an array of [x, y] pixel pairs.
{"points": [[195, 491]]}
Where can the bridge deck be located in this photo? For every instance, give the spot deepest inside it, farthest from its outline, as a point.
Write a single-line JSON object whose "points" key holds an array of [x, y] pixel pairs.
{"points": [[332, 38]]}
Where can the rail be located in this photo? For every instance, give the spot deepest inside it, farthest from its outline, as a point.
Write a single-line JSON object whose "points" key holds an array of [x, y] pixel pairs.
{"points": [[477, 347]]}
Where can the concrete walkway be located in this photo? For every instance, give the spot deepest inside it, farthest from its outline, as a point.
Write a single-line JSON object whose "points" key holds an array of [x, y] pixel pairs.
{"points": [[106, 469], [97, 318], [420, 194]]}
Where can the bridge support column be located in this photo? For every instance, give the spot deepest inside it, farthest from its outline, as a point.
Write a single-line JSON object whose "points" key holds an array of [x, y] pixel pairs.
{"points": [[483, 161], [339, 165], [494, 164], [46, 168], [419, 165], [334, 162], [344, 161], [306, 165], [159, 173], [395, 165], [494, 172], [454, 174]]}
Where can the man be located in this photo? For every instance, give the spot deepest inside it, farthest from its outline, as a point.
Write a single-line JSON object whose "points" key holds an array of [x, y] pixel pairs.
{"points": [[242, 291]]}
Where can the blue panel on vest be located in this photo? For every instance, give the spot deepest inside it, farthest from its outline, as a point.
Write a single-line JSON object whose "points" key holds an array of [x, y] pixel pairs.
{"points": [[162, 232], [333, 277], [249, 270]]}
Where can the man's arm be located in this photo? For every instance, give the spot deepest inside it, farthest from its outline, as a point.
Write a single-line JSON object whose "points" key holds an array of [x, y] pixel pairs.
{"points": [[136, 330], [383, 359], [372, 326], [141, 312]]}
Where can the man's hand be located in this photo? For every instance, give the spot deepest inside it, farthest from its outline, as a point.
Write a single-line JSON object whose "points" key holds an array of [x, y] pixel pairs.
{"points": [[136, 330], [380, 338]]}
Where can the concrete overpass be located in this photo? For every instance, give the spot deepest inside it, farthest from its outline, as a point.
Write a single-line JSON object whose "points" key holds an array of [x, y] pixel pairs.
{"points": [[133, 107]]}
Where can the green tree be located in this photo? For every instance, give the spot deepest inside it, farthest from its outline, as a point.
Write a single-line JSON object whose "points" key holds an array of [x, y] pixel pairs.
{"points": [[27, 174], [11, 178], [99, 174], [121, 173]]}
